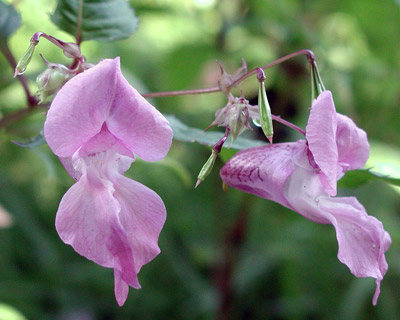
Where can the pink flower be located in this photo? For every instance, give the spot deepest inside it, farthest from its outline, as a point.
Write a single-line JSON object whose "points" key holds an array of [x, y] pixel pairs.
{"points": [[302, 176], [96, 123]]}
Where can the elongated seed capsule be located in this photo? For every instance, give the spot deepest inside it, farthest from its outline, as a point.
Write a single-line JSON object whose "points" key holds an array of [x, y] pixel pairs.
{"points": [[264, 109], [25, 59], [207, 167]]}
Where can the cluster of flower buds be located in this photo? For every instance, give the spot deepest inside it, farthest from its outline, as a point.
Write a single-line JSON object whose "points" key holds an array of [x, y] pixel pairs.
{"points": [[50, 80], [236, 114], [227, 80], [56, 75]]}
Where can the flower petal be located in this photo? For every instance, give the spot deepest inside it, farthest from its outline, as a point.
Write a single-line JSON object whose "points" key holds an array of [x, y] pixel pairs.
{"points": [[121, 288], [68, 165], [80, 108], [321, 138], [361, 238], [140, 126], [352, 143], [282, 173], [102, 141], [88, 220], [262, 170], [142, 216]]}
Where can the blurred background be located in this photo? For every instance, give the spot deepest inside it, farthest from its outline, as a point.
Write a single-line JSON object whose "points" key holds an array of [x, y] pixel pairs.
{"points": [[224, 255]]}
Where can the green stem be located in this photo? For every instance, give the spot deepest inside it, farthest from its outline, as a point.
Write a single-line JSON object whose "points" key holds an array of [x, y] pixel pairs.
{"points": [[316, 81], [78, 35]]}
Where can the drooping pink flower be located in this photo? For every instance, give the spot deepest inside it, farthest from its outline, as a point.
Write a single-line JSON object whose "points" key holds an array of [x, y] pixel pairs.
{"points": [[302, 176], [96, 124]]}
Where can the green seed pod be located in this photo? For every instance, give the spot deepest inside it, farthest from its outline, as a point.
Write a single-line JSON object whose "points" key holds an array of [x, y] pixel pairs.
{"points": [[207, 168], [25, 59], [264, 109]]}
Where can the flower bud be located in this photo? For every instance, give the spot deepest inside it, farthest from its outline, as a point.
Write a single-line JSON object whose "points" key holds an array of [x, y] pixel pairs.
{"points": [[207, 167], [238, 119], [71, 50], [264, 109], [227, 80], [25, 59], [50, 80]]}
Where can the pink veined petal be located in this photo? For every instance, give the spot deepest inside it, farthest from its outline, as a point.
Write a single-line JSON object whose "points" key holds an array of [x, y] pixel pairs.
{"points": [[135, 122], [262, 170], [361, 238], [80, 108], [288, 178], [88, 220], [321, 138], [352, 143], [142, 216]]}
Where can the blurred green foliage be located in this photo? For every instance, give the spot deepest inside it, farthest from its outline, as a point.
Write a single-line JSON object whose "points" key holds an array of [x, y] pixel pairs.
{"points": [[283, 266]]}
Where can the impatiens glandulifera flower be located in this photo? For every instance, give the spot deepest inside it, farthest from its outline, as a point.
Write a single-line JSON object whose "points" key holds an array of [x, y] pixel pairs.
{"points": [[302, 176], [96, 124]]}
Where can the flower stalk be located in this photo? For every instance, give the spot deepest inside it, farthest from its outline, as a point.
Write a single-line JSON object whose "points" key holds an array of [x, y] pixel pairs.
{"points": [[317, 86]]}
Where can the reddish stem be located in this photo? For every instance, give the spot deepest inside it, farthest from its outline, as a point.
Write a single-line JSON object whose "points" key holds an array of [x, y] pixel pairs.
{"points": [[310, 56], [17, 115], [287, 123], [234, 239], [180, 92]]}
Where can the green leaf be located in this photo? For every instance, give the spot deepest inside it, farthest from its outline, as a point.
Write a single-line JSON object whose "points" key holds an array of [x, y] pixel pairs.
{"points": [[356, 178], [9, 20], [182, 132], [102, 20], [33, 142]]}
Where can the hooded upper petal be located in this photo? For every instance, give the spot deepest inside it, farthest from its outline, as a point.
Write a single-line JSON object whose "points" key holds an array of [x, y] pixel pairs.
{"points": [[141, 127], [352, 144], [80, 108], [99, 110], [321, 137]]}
